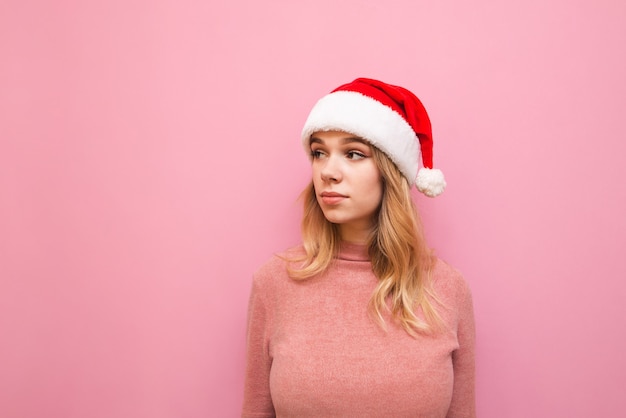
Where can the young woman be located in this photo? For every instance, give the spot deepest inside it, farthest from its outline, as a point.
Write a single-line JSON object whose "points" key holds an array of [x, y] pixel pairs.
{"points": [[362, 320]]}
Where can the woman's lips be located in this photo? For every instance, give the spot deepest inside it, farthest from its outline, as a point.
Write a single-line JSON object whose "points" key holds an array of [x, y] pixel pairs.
{"points": [[332, 198]]}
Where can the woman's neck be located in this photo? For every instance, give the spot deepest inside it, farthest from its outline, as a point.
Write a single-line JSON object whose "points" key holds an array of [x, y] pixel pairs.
{"points": [[355, 234]]}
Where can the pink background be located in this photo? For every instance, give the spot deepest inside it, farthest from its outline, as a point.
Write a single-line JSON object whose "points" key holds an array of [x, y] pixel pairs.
{"points": [[149, 163]]}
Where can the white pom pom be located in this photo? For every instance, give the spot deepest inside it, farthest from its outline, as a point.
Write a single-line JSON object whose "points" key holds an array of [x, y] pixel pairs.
{"points": [[430, 181]]}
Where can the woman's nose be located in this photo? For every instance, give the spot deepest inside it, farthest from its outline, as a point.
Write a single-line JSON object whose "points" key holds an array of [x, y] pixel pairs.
{"points": [[331, 171]]}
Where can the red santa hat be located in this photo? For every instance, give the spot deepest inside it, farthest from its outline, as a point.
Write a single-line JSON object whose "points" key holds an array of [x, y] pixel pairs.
{"points": [[391, 118]]}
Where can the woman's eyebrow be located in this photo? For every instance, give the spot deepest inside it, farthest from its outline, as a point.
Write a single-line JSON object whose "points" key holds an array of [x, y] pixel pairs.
{"points": [[347, 140], [354, 139]]}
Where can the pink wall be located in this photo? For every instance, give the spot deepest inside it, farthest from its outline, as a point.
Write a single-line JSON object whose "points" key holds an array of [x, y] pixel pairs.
{"points": [[149, 162]]}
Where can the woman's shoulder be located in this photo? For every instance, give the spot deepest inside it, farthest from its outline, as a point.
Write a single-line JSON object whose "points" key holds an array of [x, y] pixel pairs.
{"points": [[448, 281], [275, 268]]}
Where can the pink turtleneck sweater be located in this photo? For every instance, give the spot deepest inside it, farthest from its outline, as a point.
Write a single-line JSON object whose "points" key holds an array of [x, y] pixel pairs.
{"points": [[313, 350]]}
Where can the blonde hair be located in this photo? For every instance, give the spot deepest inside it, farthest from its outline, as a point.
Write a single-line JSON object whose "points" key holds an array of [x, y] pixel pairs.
{"points": [[400, 258]]}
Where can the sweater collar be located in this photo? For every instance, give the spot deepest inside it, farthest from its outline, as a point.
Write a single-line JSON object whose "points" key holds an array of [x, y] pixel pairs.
{"points": [[353, 252]]}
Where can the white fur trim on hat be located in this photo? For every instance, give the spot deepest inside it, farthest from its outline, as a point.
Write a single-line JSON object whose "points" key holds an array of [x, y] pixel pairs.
{"points": [[430, 181], [371, 120]]}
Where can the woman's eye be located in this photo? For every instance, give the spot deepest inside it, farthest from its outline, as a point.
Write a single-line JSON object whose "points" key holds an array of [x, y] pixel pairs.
{"points": [[315, 154], [355, 155]]}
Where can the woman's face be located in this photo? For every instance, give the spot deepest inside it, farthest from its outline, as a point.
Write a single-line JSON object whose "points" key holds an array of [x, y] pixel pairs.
{"points": [[348, 184]]}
